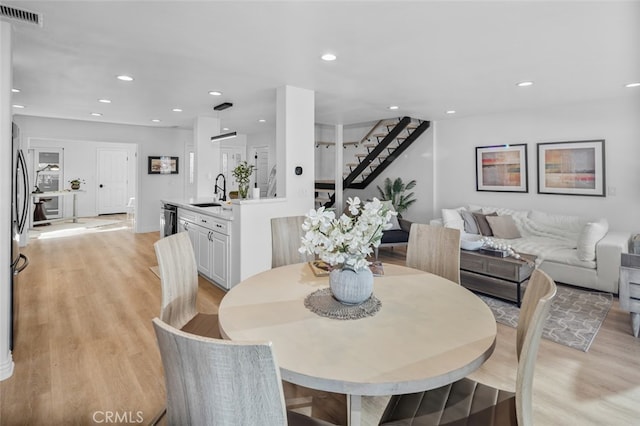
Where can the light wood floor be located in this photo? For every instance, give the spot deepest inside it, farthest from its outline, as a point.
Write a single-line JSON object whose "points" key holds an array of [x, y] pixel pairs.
{"points": [[85, 346]]}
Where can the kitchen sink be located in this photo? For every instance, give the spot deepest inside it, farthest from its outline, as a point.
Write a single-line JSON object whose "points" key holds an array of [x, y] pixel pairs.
{"points": [[206, 204]]}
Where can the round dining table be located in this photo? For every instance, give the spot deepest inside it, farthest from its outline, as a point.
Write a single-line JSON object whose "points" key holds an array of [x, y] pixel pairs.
{"points": [[428, 332]]}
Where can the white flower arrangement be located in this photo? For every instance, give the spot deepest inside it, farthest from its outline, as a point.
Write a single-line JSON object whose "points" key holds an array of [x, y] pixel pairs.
{"points": [[349, 239]]}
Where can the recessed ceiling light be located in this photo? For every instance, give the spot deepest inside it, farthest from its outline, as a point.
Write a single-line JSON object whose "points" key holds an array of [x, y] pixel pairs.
{"points": [[632, 85], [451, 111], [124, 78], [18, 106], [215, 93], [176, 110], [96, 114], [329, 57], [225, 128], [15, 90], [262, 120], [155, 120], [524, 84], [104, 101], [393, 107]]}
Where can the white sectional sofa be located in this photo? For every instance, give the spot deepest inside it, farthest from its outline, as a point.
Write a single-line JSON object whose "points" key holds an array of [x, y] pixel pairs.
{"points": [[574, 250]]}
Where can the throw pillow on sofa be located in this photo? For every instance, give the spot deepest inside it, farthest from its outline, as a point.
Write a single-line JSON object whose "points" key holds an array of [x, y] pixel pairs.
{"points": [[503, 227], [483, 225], [589, 237], [470, 224], [451, 218]]}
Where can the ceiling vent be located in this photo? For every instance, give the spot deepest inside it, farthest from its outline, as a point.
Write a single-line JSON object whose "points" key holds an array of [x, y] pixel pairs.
{"points": [[20, 15]]}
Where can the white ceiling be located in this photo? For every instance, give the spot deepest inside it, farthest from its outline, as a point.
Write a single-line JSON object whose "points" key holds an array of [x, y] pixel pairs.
{"points": [[427, 57]]}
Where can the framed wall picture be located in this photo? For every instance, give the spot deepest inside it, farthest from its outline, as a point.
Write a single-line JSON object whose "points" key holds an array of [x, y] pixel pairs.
{"points": [[163, 165], [571, 168], [502, 168]]}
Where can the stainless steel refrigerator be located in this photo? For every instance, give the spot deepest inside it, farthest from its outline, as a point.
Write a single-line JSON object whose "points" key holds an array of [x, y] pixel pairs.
{"points": [[19, 218]]}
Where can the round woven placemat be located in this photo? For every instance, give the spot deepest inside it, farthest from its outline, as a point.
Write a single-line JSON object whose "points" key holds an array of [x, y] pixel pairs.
{"points": [[324, 304]]}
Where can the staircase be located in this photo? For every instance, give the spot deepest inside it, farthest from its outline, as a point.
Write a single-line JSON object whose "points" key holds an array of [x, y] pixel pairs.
{"points": [[386, 140]]}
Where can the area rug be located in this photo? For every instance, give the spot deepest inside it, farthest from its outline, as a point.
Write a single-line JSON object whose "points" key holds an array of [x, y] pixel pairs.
{"points": [[574, 318]]}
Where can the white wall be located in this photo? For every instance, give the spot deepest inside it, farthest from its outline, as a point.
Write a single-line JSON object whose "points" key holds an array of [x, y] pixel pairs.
{"points": [[615, 121], [151, 141], [295, 144], [207, 154], [79, 161]]}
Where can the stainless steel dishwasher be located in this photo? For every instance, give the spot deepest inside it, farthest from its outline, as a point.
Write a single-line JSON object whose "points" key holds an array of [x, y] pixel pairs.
{"points": [[168, 220]]}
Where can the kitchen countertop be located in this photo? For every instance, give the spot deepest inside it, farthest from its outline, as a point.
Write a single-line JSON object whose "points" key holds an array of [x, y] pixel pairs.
{"points": [[222, 212], [226, 211]]}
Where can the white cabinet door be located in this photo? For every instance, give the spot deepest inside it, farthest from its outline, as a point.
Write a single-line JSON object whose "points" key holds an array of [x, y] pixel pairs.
{"points": [[192, 230], [220, 259], [204, 250], [210, 246]]}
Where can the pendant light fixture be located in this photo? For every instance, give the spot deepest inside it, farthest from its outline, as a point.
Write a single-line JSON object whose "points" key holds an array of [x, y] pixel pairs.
{"points": [[224, 136]]}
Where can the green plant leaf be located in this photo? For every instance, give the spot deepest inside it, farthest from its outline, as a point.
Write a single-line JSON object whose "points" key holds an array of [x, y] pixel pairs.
{"points": [[394, 191]]}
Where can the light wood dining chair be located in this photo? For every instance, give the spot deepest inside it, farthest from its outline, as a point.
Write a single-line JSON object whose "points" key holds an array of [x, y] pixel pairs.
{"points": [[220, 382], [435, 249], [472, 403], [178, 272], [179, 280], [286, 234]]}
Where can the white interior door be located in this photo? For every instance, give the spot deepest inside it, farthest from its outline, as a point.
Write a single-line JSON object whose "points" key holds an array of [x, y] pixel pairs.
{"points": [[113, 166], [261, 161], [48, 172]]}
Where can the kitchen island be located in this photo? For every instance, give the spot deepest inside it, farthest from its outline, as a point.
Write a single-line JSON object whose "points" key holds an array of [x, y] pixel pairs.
{"points": [[232, 241]]}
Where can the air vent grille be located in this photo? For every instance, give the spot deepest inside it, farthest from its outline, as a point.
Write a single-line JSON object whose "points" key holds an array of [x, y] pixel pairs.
{"points": [[20, 15]]}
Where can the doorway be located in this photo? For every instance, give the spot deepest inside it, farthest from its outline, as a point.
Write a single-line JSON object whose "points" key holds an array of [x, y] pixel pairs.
{"points": [[48, 168], [113, 173], [260, 157]]}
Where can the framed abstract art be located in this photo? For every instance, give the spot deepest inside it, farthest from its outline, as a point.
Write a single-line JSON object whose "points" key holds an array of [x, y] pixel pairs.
{"points": [[571, 168], [502, 168]]}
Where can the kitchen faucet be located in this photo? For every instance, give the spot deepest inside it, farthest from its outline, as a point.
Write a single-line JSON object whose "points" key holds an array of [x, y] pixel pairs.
{"points": [[223, 188]]}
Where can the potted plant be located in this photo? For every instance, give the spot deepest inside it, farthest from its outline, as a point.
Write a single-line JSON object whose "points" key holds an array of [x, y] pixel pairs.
{"points": [[242, 174], [75, 183], [347, 241], [394, 191]]}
